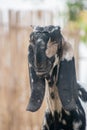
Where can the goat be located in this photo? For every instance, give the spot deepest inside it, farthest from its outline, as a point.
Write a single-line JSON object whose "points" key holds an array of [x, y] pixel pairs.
{"points": [[52, 67]]}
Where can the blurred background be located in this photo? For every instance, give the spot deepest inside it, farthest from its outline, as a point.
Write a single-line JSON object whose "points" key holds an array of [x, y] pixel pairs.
{"points": [[15, 19]]}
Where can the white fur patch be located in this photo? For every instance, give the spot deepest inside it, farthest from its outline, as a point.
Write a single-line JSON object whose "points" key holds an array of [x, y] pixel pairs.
{"points": [[80, 92], [67, 112], [64, 122], [56, 28], [67, 52], [40, 40], [77, 125]]}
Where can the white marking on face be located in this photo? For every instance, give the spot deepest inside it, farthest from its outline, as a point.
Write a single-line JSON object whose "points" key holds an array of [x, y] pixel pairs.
{"points": [[40, 40], [77, 125], [42, 43]]}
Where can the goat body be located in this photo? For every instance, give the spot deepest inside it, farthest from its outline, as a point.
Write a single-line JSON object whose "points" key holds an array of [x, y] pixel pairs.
{"points": [[52, 67], [57, 118]]}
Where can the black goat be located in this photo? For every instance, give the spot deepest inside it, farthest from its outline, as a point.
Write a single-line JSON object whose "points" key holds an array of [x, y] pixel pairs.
{"points": [[51, 60]]}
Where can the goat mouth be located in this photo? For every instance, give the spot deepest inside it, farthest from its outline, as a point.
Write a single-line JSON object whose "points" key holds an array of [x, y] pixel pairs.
{"points": [[44, 72]]}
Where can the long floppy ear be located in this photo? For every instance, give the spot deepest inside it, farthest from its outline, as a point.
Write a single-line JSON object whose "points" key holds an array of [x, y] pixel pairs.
{"points": [[37, 85], [67, 84]]}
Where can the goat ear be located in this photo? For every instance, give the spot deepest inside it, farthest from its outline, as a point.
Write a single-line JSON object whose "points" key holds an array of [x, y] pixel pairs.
{"points": [[67, 85], [37, 85]]}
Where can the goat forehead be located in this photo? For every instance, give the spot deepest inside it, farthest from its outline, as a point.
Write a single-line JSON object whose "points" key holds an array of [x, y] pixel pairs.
{"points": [[39, 36], [40, 42]]}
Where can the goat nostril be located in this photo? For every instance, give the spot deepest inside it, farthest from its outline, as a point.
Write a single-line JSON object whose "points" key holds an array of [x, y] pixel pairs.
{"points": [[40, 66]]}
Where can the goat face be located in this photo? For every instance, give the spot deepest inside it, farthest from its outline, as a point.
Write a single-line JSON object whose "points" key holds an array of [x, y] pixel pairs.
{"points": [[43, 49]]}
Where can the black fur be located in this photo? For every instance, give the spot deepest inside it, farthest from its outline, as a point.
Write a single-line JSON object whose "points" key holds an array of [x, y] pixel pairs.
{"points": [[67, 85], [82, 93], [66, 120], [63, 121], [37, 91]]}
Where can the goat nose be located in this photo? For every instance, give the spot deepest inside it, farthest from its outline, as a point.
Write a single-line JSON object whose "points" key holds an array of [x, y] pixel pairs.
{"points": [[40, 65]]}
